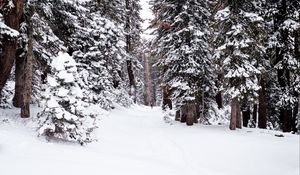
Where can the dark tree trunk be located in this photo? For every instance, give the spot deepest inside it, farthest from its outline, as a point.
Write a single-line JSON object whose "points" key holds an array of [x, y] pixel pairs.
{"points": [[177, 116], [19, 81], [295, 115], [11, 19], [219, 96], [191, 111], [184, 112], [233, 118], [219, 100], [27, 75], [286, 120], [254, 115], [129, 49], [167, 102], [246, 116], [262, 109], [239, 116]]}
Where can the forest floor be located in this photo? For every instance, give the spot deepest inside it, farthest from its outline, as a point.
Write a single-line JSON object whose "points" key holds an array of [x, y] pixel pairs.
{"points": [[136, 141]]}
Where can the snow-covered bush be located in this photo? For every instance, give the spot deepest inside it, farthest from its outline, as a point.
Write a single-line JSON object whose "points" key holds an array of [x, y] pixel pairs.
{"points": [[63, 116]]}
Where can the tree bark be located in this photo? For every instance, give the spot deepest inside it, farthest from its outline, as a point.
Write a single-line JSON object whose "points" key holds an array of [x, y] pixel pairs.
{"points": [[27, 75], [219, 100], [11, 19], [132, 84], [295, 117], [254, 115], [233, 118], [167, 102], [262, 109], [183, 114], [238, 115], [246, 116], [20, 65], [286, 120], [191, 110], [177, 116]]}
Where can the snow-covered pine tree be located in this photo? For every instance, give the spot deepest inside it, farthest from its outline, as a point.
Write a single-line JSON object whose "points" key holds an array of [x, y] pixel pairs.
{"points": [[239, 40], [63, 116], [97, 44], [133, 31], [182, 46], [283, 48], [113, 10]]}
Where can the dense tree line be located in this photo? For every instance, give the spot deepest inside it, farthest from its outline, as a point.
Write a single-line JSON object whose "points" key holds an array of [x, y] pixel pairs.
{"points": [[69, 57], [242, 53]]}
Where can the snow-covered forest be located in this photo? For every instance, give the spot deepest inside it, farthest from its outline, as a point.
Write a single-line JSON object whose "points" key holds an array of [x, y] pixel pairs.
{"points": [[150, 87]]}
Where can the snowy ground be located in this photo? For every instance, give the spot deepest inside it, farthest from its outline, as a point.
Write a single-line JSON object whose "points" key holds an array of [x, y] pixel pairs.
{"points": [[136, 141]]}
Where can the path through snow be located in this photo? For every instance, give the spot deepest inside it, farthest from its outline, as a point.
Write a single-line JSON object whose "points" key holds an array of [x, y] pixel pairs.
{"points": [[136, 141]]}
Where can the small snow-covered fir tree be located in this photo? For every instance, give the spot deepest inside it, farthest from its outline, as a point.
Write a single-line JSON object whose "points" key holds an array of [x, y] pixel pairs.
{"points": [[63, 116]]}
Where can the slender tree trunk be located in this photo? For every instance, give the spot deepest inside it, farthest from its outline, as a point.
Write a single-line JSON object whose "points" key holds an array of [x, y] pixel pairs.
{"points": [[239, 116], [27, 75], [149, 100], [11, 18], [295, 115], [262, 109], [19, 80], [177, 116], [233, 118], [219, 97], [219, 100], [132, 84], [246, 116], [167, 102], [254, 116]]}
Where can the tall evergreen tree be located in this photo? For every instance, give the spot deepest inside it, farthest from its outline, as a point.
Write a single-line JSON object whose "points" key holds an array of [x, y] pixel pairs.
{"points": [[284, 51], [182, 46], [133, 41], [239, 42]]}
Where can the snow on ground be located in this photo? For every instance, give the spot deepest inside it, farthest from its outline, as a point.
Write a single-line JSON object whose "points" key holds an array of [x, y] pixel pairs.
{"points": [[136, 141]]}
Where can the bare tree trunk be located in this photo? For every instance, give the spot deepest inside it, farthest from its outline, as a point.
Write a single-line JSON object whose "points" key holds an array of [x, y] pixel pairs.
{"points": [[167, 102], [25, 110], [295, 115], [287, 120], [183, 114], [219, 100], [246, 116], [148, 83], [11, 18], [238, 115], [254, 116], [262, 109], [19, 80], [191, 110], [233, 118], [219, 96], [132, 84], [177, 116]]}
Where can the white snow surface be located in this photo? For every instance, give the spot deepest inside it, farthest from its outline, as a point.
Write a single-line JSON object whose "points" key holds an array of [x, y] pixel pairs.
{"points": [[136, 141]]}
